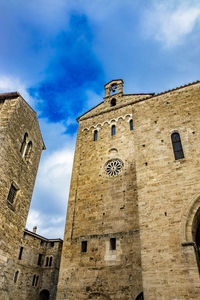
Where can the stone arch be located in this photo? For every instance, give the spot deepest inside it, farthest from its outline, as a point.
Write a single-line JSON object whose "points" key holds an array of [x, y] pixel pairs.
{"points": [[44, 295], [189, 215], [140, 296]]}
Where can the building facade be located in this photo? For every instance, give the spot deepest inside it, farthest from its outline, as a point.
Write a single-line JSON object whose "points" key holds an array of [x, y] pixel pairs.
{"points": [[132, 228], [21, 145]]}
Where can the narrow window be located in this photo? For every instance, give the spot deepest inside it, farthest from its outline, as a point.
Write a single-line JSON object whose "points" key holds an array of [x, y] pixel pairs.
{"points": [[177, 146], [47, 261], [84, 246], [113, 130], [28, 151], [23, 145], [16, 276], [113, 244], [33, 282], [20, 252], [40, 259], [41, 243], [50, 261], [12, 193], [95, 135], [51, 244], [113, 102], [131, 124], [36, 280]]}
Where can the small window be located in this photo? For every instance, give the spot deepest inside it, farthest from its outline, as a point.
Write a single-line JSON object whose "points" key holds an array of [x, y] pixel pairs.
{"points": [[84, 246], [113, 102], [41, 243], [113, 130], [131, 124], [35, 280], [51, 244], [50, 261], [47, 261], [95, 135], [20, 252], [28, 151], [177, 146], [40, 259], [12, 193], [113, 244], [23, 145], [16, 276]]}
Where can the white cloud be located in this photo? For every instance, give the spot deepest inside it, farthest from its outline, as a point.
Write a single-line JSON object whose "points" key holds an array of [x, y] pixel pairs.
{"points": [[13, 84], [172, 21], [49, 203], [49, 227]]}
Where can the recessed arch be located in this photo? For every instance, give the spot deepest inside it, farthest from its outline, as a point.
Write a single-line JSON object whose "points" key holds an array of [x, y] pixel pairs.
{"points": [[140, 296], [44, 295], [189, 212]]}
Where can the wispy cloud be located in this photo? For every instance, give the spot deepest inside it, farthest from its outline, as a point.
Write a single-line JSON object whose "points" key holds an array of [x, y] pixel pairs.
{"points": [[170, 22], [47, 226]]}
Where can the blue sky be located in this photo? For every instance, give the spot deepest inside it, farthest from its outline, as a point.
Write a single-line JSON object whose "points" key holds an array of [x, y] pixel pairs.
{"points": [[59, 54]]}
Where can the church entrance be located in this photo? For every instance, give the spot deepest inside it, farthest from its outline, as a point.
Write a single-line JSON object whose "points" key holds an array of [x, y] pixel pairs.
{"points": [[44, 295]]}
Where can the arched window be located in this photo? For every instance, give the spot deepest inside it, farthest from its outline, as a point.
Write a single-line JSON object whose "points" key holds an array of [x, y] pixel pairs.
{"points": [[113, 130], [23, 145], [28, 151], [131, 124], [16, 276], [113, 102], [47, 262], [95, 135], [177, 146], [50, 261]]}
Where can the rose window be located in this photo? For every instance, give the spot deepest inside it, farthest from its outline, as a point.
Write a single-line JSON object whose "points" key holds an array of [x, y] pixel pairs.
{"points": [[113, 167]]}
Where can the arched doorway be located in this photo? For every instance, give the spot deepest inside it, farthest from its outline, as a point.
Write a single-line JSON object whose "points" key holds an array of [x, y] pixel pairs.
{"points": [[44, 295], [140, 296]]}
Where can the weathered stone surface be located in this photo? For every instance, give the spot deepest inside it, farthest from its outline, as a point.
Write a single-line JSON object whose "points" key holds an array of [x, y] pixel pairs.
{"points": [[149, 207], [18, 167]]}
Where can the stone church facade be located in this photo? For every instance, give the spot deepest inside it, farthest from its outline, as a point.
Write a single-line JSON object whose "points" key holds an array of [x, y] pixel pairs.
{"points": [[132, 229]]}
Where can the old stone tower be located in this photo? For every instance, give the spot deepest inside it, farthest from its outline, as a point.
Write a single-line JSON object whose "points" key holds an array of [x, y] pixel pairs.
{"points": [[21, 147], [134, 203]]}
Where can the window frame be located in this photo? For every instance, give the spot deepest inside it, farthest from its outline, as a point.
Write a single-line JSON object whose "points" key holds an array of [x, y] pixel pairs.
{"points": [[177, 145], [95, 135], [113, 130]]}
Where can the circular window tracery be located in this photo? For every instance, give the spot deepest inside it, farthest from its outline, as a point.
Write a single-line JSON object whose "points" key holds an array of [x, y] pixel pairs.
{"points": [[114, 167]]}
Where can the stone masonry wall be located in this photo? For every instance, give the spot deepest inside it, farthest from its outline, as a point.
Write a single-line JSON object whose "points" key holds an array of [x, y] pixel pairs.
{"points": [[167, 189], [16, 118], [102, 207]]}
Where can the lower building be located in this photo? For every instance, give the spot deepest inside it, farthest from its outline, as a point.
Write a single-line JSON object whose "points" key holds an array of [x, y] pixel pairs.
{"points": [[37, 267]]}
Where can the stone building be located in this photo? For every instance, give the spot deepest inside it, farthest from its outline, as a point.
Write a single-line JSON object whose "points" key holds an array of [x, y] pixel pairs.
{"points": [[38, 266], [133, 219], [21, 145]]}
